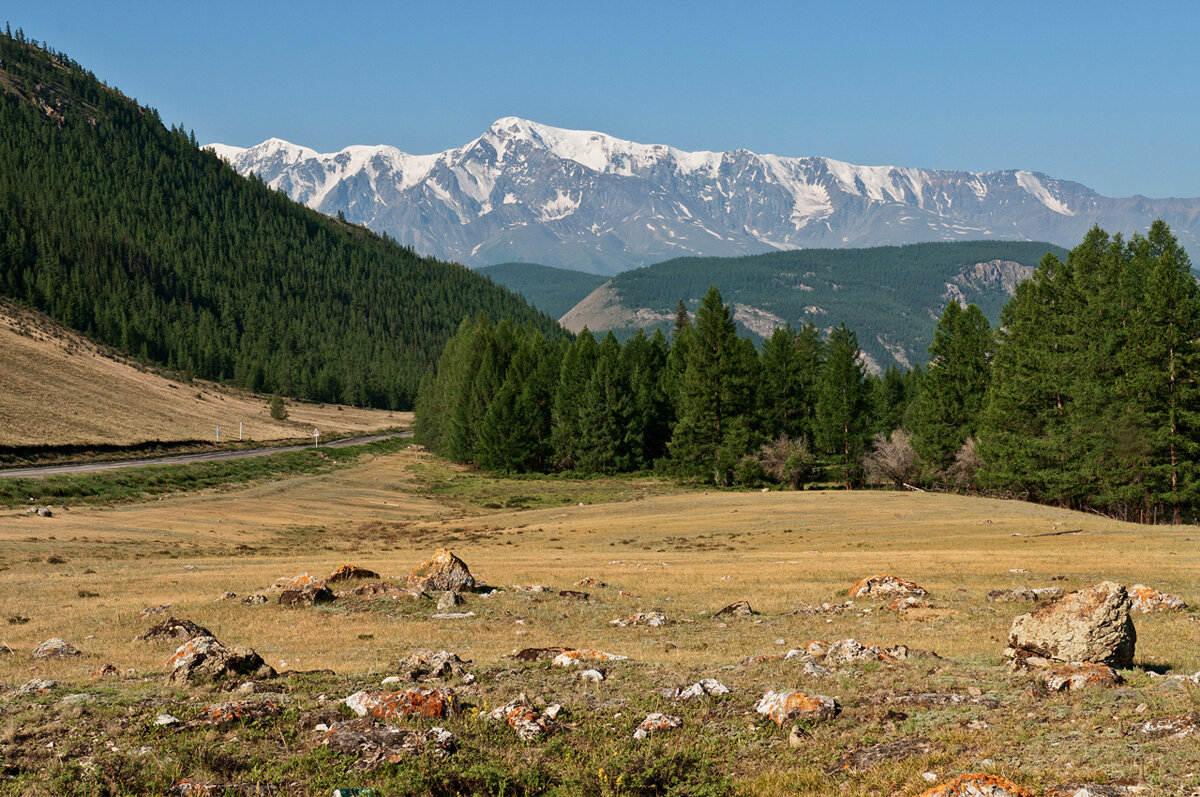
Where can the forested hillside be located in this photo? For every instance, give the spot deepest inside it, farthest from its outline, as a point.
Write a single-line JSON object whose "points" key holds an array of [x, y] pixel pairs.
{"points": [[554, 291], [131, 234], [890, 295]]}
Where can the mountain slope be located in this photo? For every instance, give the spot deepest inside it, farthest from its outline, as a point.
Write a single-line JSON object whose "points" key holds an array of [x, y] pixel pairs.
{"points": [[592, 202], [891, 296], [131, 234], [551, 290]]}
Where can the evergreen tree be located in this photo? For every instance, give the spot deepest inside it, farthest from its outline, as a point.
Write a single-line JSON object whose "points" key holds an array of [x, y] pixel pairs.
{"points": [[578, 362], [843, 401]]}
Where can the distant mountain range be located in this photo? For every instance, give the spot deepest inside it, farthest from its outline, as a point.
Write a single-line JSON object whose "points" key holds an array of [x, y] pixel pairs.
{"points": [[591, 202]]}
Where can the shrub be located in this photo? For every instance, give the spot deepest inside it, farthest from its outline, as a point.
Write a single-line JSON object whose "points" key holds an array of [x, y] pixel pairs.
{"points": [[893, 459], [278, 410]]}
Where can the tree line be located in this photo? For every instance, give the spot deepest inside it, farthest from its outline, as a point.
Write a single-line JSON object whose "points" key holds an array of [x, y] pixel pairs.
{"points": [[1085, 396]]}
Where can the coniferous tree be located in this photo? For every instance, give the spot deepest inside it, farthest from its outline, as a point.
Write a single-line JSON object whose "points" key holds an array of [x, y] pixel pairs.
{"points": [[842, 410], [578, 362]]}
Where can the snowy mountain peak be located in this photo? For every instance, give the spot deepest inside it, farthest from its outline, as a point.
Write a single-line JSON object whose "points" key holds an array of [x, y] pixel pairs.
{"points": [[525, 191]]}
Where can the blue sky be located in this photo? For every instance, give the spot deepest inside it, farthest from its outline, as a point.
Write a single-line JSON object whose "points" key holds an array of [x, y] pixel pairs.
{"points": [[1102, 92]]}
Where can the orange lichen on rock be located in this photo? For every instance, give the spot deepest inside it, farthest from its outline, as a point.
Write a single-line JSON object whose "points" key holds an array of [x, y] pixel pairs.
{"points": [[347, 572], [590, 582], [520, 715], [302, 581], [977, 785], [104, 670], [656, 723], [882, 586], [905, 603], [234, 710], [783, 707], [1078, 675], [1148, 599], [444, 572], [424, 703], [572, 658]]}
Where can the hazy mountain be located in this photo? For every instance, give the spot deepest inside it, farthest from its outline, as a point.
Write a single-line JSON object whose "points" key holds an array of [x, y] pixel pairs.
{"points": [[588, 201]]}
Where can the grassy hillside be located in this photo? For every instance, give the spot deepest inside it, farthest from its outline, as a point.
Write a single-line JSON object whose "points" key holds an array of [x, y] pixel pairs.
{"points": [[129, 233], [891, 296], [58, 389], [554, 291]]}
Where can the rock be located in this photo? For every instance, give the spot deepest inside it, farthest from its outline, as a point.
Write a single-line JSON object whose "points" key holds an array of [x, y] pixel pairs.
{"points": [[150, 611], [759, 658], [35, 686], [931, 699], [589, 581], [738, 609], [449, 600], [576, 658], [814, 670], [845, 651], [1048, 593], [906, 603], [382, 589], [309, 594], [166, 720], [174, 630], [825, 608], [237, 711], [104, 671], [783, 707], [205, 659], [884, 586], [861, 758], [420, 702], [347, 572], [227, 596], [254, 600], [297, 583], [573, 593], [531, 588], [656, 723], [1093, 790], [977, 785], [444, 571], [376, 744], [433, 664], [653, 619], [1078, 676], [539, 654], [44, 511], [1016, 594], [451, 616], [703, 687], [1147, 599], [590, 676], [54, 648], [1176, 727], [1090, 625], [521, 716]]}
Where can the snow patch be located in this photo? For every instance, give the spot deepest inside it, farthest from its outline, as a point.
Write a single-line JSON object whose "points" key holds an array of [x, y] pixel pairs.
{"points": [[1034, 187]]}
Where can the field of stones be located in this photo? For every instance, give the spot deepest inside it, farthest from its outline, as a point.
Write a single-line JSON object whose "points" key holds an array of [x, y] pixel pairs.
{"points": [[404, 626]]}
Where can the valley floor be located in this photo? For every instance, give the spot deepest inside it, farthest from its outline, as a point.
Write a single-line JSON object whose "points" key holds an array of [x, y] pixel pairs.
{"points": [[85, 574]]}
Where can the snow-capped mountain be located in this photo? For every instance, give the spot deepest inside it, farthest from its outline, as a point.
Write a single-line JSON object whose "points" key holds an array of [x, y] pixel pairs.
{"points": [[578, 199]]}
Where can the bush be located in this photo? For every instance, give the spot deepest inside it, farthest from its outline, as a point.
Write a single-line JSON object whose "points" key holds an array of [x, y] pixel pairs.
{"points": [[278, 410], [893, 459], [788, 461]]}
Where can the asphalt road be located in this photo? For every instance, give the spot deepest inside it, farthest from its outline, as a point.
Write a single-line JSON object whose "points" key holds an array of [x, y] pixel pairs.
{"points": [[179, 459]]}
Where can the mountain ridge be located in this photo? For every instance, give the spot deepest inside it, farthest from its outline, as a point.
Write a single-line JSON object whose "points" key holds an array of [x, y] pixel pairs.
{"points": [[524, 191]]}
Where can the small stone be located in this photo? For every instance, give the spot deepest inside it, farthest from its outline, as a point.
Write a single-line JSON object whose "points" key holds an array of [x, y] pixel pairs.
{"points": [[656, 723], [54, 648], [449, 600], [929, 777], [391, 679], [590, 676], [35, 686], [227, 596], [254, 600], [452, 616], [163, 720]]}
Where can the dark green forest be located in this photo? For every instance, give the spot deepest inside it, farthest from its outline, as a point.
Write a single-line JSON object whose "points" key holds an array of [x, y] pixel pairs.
{"points": [[1085, 396], [551, 290], [128, 232]]}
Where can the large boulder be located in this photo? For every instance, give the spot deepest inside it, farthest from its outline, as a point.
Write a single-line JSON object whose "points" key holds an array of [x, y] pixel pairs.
{"points": [[391, 706], [1090, 625], [784, 707], [443, 572], [205, 659]]}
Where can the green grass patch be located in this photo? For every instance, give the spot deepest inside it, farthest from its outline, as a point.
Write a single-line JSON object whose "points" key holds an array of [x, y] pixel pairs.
{"points": [[142, 483]]}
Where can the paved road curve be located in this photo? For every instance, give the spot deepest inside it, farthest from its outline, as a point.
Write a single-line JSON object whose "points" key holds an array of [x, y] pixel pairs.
{"points": [[179, 459]]}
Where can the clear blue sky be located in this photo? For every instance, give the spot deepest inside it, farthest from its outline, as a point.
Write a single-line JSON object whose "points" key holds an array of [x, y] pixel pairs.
{"points": [[1105, 93]]}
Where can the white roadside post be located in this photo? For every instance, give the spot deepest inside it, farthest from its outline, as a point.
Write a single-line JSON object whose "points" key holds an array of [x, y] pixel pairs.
{"points": [[316, 437], [240, 429], [218, 432]]}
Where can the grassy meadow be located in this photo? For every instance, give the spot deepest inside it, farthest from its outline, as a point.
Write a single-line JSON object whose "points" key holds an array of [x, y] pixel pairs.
{"points": [[86, 573]]}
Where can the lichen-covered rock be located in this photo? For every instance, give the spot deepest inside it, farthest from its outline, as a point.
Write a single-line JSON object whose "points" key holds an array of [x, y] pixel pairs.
{"points": [[783, 707], [1090, 625], [347, 572], [531, 588], [381, 589], [433, 664], [205, 659], [54, 648], [589, 581], [656, 723], [977, 785], [1014, 595], [376, 744], [738, 609], [906, 603], [444, 571], [150, 611], [845, 651], [297, 583], [35, 686], [309, 595], [103, 671], [540, 654], [577, 658], [1147, 599], [653, 619], [238, 711], [522, 717], [1077, 676], [421, 702], [1176, 727], [703, 687], [173, 630], [884, 586]]}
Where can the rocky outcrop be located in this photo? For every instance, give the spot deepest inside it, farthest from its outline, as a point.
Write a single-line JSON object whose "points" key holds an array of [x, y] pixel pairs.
{"points": [[375, 744], [205, 659], [390, 706], [443, 572], [885, 586], [1073, 677], [54, 648], [1148, 599], [1090, 625]]}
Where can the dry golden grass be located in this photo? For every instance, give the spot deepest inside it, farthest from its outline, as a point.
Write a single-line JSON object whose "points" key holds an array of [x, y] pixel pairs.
{"points": [[686, 553], [56, 388]]}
